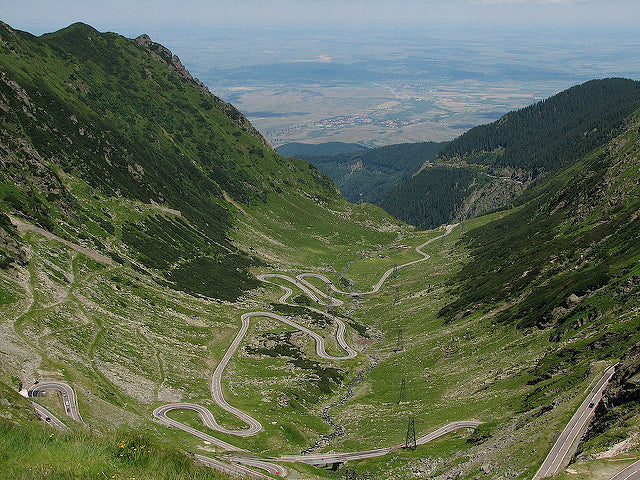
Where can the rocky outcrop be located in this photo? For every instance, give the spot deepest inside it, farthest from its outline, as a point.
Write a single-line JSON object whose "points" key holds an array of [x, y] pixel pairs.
{"points": [[11, 250], [164, 55]]}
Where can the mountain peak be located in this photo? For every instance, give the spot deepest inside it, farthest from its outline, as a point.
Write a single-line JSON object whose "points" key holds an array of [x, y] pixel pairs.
{"points": [[73, 31]]}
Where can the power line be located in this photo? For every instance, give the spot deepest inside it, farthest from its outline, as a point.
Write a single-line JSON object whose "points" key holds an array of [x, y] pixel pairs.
{"points": [[400, 342]]}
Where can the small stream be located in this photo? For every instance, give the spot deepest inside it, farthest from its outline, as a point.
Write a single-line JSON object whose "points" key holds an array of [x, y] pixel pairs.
{"points": [[339, 429]]}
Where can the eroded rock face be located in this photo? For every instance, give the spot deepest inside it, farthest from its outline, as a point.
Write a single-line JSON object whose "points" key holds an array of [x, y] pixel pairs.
{"points": [[11, 250], [164, 55]]}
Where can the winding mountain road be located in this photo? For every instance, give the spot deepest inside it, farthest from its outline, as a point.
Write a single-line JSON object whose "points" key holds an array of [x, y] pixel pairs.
{"points": [[68, 397], [48, 417], [327, 458], [254, 426], [322, 298], [383, 278], [237, 462], [236, 469]]}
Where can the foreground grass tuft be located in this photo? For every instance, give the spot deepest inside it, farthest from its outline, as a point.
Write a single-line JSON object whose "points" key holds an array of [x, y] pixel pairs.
{"points": [[35, 452]]}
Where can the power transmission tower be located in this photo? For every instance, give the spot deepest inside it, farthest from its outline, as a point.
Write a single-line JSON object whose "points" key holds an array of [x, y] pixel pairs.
{"points": [[400, 343], [403, 392], [410, 441], [395, 270]]}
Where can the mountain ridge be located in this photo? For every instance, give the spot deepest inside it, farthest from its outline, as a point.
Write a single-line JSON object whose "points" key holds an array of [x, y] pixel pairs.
{"points": [[124, 145], [512, 151], [366, 175]]}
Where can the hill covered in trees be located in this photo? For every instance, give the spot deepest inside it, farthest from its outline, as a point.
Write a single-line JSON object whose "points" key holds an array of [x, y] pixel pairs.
{"points": [[366, 175], [504, 156], [302, 150]]}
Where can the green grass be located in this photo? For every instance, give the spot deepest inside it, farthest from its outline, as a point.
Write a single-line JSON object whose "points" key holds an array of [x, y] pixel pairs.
{"points": [[170, 342], [151, 329], [36, 451], [144, 322]]}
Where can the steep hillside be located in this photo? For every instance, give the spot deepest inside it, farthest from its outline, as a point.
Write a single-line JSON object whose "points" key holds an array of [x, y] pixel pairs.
{"points": [[554, 132], [573, 236], [137, 212], [126, 118], [516, 149], [547, 296], [567, 263], [367, 175]]}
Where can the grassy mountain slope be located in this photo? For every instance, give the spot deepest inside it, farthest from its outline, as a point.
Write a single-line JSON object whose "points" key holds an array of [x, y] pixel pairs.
{"points": [[367, 175], [517, 148], [514, 333], [145, 206], [567, 263], [130, 336], [125, 117], [584, 223], [32, 450]]}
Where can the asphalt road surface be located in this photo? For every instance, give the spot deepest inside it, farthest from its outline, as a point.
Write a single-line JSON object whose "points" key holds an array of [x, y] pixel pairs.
{"points": [[328, 458], [48, 417], [232, 469], [632, 472], [429, 437], [562, 450], [253, 461], [377, 286], [68, 397], [160, 414]]}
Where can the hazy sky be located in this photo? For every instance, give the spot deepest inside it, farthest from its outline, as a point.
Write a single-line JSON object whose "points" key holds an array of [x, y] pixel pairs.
{"points": [[134, 16]]}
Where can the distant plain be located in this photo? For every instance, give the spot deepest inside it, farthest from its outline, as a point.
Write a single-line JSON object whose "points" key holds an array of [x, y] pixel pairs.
{"points": [[394, 86]]}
